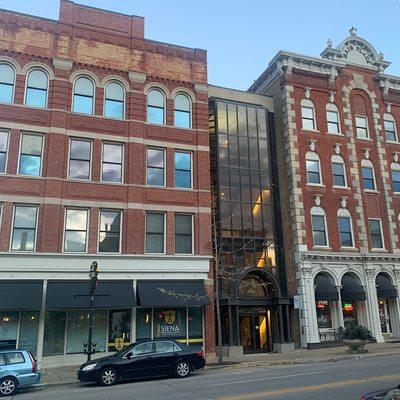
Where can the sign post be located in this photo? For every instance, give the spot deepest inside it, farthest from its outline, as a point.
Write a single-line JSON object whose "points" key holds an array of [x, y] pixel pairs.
{"points": [[297, 306]]}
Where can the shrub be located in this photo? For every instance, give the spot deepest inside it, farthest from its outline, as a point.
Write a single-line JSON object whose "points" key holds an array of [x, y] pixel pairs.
{"points": [[355, 332]]}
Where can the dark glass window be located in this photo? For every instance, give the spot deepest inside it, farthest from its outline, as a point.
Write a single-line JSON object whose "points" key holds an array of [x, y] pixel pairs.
{"points": [[319, 230], [262, 124], [242, 120], [390, 129], [182, 111], [338, 174], [376, 234], [252, 122], [333, 121], [30, 161], [368, 178], [232, 119], [114, 100], [155, 232], [7, 77], [24, 228], [253, 143], [75, 236], [112, 162], [79, 159], [244, 153], [183, 170], [307, 117], [222, 118], [396, 181], [3, 151], [313, 175], [345, 234], [264, 157], [155, 167], [110, 231], [233, 150], [183, 233], [155, 107], [223, 149], [83, 96], [54, 333], [36, 89]]}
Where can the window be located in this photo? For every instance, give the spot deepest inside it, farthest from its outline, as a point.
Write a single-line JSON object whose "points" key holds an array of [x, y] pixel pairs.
{"points": [[166, 347], [332, 118], [3, 151], [307, 115], [30, 160], [79, 159], [24, 228], [367, 170], [183, 233], [362, 127], [7, 77], [36, 89], [375, 231], [324, 319], [114, 100], [75, 230], [345, 228], [155, 107], [2, 360], [155, 167], [338, 171], [112, 162], [318, 224], [110, 231], [313, 168], [83, 96], [183, 170], [182, 111], [390, 128], [396, 177], [15, 358], [54, 333], [143, 348], [155, 232]]}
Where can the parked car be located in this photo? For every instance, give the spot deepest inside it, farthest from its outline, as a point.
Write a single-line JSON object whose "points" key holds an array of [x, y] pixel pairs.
{"points": [[18, 368], [151, 358], [382, 394]]}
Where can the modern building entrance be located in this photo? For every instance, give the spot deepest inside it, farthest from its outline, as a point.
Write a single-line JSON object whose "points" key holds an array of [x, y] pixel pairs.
{"points": [[255, 331]]}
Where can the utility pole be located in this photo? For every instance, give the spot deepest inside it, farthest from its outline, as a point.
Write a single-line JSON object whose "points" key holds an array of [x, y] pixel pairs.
{"points": [[93, 275]]}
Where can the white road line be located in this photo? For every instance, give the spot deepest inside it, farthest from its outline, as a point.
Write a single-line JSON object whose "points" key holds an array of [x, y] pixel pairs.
{"points": [[264, 379]]}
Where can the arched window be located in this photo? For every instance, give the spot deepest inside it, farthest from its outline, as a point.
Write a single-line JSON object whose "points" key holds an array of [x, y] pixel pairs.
{"points": [[325, 293], [313, 167], [395, 167], [332, 118], [255, 286], [345, 228], [182, 117], [318, 225], [114, 100], [155, 107], [390, 128], [338, 171], [360, 111], [7, 78], [308, 115], [83, 95], [368, 174], [36, 89]]}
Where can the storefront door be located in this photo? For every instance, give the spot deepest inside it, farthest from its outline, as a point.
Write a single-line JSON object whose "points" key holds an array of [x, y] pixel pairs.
{"points": [[384, 317], [119, 329], [255, 333]]}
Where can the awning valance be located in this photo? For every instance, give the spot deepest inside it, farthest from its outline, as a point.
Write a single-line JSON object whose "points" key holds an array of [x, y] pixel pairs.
{"points": [[324, 289], [21, 295], [75, 294], [351, 289], [166, 293], [385, 288]]}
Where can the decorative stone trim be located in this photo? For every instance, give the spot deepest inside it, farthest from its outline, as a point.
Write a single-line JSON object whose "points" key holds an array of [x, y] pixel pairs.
{"points": [[62, 63], [201, 88], [138, 77]]}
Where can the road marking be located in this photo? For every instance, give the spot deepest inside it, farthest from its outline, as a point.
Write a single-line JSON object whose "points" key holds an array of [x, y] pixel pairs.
{"points": [[264, 379], [299, 389]]}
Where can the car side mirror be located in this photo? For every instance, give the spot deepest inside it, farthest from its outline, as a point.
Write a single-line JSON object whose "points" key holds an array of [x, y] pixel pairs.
{"points": [[129, 355]]}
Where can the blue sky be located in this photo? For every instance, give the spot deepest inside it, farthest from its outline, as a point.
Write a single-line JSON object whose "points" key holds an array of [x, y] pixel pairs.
{"points": [[242, 36]]}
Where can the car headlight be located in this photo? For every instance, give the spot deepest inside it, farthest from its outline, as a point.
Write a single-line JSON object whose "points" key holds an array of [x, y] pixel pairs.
{"points": [[89, 367]]}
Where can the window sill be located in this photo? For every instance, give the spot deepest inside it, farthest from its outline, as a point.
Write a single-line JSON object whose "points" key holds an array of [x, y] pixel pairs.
{"points": [[392, 142], [364, 138], [320, 185], [397, 193], [348, 248], [335, 133], [322, 248], [112, 183], [372, 191], [310, 130], [79, 180], [379, 250], [340, 187]]}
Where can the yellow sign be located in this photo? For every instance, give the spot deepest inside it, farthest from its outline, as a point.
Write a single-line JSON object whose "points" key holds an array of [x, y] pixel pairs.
{"points": [[119, 343], [169, 316]]}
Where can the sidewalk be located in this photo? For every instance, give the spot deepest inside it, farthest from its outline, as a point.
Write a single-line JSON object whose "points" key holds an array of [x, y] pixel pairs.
{"points": [[65, 375]]}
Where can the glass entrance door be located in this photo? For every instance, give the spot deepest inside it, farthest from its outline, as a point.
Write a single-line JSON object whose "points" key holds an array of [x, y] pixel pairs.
{"points": [[384, 317], [119, 329], [255, 333]]}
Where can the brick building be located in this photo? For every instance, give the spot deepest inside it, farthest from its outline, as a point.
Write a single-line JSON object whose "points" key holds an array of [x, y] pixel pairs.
{"points": [[104, 155], [338, 157]]}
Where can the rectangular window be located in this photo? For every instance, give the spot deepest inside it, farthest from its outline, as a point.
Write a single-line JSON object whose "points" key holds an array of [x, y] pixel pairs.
{"points": [[183, 170], [324, 319], [3, 151], [390, 130], [376, 233], [396, 181], [307, 118], [80, 154], [143, 323], [183, 234], [339, 178], [54, 333], [319, 231], [112, 162], [362, 127], [28, 331], [333, 121], [30, 159], [24, 228], [8, 329], [155, 167], [15, 358], [313, 176], [76, 221], [110, 231], [345, 234], [155, 232], [368, 178]]}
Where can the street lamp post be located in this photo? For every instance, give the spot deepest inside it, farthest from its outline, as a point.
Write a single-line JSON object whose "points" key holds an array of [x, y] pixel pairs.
{"points": [[93, 275]]}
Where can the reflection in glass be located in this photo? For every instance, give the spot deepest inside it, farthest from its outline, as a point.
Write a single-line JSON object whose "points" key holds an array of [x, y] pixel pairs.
{"points": [[8, 329], [195, 322], [79, 159], [24, 229], [83, 96], [155, 107], [114, 100], [154, 232], [242, 120], [143, 323], [119, 327], [7, 76], [75, 230], [232, 119], [183, 234], [36, 89], [28, 333], [183, 170], [30, 160], [182, 111], [222, 118], [345, 235], [110, 228], [155, 167], [252, 121], [54, 333], [3, 151], [112, 162]]}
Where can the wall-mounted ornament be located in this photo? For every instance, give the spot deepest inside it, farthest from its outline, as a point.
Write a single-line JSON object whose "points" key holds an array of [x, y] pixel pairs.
{"points": [[332, 97], [366, 153], [388, 108], [307, 92], [317, 199], [343, 202], [337, 148], [312, 145], [396, 157]]}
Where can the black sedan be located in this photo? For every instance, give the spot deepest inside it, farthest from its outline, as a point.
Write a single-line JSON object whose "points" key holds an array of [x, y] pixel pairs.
{"points": [[385, 394], [152, 358]]}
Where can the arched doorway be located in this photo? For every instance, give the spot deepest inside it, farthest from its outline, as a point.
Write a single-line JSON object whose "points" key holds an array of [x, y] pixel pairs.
{"points": [[387, 302], [353, 298]]}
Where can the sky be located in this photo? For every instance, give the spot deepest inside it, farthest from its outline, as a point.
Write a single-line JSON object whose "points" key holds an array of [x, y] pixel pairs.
{"points": [[242, 36]]}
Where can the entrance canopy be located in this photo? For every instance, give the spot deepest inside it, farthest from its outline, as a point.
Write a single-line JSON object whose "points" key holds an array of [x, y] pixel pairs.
{"points": [[325, 291], [21, 295], [171, 293], [385, 287], [351, 289], [75, 294]]}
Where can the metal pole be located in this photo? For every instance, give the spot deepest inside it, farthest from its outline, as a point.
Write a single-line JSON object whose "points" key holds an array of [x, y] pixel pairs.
{"points": [[90, 337]]}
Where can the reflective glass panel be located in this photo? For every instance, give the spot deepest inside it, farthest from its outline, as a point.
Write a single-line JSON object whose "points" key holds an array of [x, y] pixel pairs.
{"points": [[54, 333]]}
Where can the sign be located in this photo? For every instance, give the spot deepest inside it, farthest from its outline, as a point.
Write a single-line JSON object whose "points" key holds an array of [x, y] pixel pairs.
{"points": [[169, 316], [297, 302], [119, 343]]}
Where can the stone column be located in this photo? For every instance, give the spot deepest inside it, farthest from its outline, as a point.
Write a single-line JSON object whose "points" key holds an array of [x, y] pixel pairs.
{"points": [[40, 337], [372, 305], [339, 308]]}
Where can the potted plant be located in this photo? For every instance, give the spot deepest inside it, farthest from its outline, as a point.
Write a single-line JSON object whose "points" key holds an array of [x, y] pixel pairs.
{"points": [[355, 337]]}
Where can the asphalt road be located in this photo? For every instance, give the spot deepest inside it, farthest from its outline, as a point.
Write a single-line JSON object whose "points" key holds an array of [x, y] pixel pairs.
{"points": [[342, 380]]}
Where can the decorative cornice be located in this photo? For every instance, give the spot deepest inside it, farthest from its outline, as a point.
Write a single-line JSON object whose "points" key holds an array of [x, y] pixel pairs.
{"points": [[349, 258]]}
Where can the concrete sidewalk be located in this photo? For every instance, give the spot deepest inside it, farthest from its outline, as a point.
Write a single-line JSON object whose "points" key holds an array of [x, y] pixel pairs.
{"points": [[65, 375]]}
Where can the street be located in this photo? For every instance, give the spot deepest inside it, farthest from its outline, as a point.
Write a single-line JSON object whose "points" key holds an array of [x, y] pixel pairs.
{"points": [[342, 380]]}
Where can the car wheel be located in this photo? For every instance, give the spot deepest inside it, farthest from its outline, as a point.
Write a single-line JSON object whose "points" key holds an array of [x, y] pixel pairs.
{"points": [[8, 386], [108, 377], [182, 369]]}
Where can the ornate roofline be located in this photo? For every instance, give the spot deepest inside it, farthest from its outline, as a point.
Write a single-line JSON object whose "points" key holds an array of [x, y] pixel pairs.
{"points": [[348, 258]]}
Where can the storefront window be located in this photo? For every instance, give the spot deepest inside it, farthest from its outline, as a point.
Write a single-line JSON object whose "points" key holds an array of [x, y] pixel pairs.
{"points": [[170, 323], [324, 319], [78, 326], [349, 313], [28, 334], [8, 330], [119, 329], [54, 332], [143, 323], [195, 322]]}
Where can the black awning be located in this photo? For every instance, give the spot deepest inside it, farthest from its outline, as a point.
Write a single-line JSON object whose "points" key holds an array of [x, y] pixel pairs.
{"points": [[171, 293], [384, 287], [21, 295], [351, 289], [75, 294], [325, 290]]}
